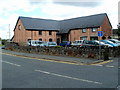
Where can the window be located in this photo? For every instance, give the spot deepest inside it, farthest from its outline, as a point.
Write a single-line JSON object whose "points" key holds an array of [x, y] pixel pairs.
{"points": [[19, 27], [50, 32], [50, 40], [83, 30], [40, 32], [40, 39], [83, 38], [94, 29], [29, 40]]}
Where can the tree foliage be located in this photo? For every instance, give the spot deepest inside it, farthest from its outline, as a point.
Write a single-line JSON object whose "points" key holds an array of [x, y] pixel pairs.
{"points": [[118, 32]]}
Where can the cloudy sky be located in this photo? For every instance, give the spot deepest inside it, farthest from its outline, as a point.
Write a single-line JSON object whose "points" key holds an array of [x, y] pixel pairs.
{"points": [[10, 10]]}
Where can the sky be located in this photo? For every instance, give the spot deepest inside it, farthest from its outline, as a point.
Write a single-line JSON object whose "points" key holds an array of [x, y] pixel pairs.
{"points": [[10, 10]]}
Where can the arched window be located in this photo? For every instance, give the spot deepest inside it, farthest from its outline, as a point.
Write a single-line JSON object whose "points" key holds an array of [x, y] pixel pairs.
{"points": [[40, 39], [29, 42], [58, 41], [50, 40]]}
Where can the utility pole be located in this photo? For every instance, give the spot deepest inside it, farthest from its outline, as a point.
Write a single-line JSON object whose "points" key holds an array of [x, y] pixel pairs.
{"points": [[9, 32]]}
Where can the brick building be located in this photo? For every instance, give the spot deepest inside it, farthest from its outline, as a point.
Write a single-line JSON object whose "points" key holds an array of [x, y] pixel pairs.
{"points": [[62, 30]]}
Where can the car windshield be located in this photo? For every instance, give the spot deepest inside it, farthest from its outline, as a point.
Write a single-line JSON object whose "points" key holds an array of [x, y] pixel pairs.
{"points": [[40, 42], [115, 41], [52, 43], [100, 42], [65, 42], [109, 42]]}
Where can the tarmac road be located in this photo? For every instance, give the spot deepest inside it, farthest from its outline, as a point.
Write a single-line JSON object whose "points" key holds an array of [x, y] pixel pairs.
{"points": [[27, 72]]}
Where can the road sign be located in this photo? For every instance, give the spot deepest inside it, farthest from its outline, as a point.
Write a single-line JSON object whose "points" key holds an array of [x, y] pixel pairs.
{"points": [[100, 33]]}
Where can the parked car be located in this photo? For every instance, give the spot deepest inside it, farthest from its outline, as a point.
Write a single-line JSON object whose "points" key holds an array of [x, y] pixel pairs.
{"points": [[94, 43], [115, 41], [50, 44], [2, 47], [109, 42], [65, 43], [77, 43], [102, 43], [35, 43], [89, 43]]}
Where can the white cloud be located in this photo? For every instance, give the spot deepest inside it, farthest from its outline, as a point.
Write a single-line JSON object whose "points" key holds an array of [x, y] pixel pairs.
{"points": [[9, 11], [8, 15]]}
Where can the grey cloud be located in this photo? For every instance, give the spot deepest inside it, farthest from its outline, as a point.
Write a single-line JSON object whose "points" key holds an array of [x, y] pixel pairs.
{"points": [[80, 4]]}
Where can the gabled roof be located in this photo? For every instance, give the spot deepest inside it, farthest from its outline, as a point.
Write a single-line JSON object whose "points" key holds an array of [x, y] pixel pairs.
{"points": [[39, 24], [63, 26], [82, 22]]}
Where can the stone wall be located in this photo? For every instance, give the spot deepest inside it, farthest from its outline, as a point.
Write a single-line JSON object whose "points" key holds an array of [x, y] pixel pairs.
{"points": [[87, 52]]}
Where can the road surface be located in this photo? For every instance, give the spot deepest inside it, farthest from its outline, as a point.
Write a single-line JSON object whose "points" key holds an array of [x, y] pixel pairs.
{"points": [[25, 72]]}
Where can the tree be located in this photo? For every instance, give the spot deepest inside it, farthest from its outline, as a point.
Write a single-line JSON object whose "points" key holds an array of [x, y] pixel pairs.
{"points": [[118, 32]]}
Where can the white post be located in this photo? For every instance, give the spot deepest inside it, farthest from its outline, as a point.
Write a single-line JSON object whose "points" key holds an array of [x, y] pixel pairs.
{"points": [[99, 50]]}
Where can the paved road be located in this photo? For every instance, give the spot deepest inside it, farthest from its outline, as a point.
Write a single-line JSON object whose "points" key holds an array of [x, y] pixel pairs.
{"points": [[25, 72]]}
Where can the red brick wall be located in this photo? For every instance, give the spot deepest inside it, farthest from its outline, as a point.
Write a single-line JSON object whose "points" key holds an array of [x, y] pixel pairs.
{"points": [[106, 28], [22, 35], [76, 34]]}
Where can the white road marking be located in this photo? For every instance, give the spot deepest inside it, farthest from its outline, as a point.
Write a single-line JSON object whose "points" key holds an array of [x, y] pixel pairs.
{"points": [[98, 65], [109, 66], [54, 74], [104, 65], [11, 63]]}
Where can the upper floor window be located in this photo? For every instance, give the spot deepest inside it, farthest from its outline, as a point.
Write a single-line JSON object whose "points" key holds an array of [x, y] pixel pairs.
{"points": [[40, 32], [19, 27], [50, 32], [94, 29], [83, 30]]}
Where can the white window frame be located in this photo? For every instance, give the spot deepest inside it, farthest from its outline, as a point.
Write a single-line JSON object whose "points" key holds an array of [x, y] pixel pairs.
{"points": [[84, 30], [19, 27], [94, 29]]}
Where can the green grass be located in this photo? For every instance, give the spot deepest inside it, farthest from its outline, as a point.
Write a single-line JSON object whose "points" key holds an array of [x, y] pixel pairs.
{"points": [[1, 45]]}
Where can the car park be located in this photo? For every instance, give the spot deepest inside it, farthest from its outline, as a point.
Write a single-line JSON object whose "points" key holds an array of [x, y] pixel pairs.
{"points": [[77, 43], [102, 43], [89, 43], [35, 43], [115, 41], [50, 44], [109, 42], [95, 43], [65, 43]]}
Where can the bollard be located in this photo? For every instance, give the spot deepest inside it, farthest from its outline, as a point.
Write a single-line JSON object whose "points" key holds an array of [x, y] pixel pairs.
{"points": [[106, 53]]}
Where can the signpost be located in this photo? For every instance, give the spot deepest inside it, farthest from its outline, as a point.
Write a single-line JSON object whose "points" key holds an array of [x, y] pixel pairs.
{"points": [[100, 34]]}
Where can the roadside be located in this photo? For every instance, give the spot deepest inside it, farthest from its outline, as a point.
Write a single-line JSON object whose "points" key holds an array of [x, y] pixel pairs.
{"points": [[85, 61]]}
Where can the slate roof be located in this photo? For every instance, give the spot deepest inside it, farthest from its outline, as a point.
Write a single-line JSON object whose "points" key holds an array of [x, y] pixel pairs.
{"points": [[39, 24], [63, 26]]}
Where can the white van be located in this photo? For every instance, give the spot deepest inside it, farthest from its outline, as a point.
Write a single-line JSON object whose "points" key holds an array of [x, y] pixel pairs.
{"points": [[35, 43], [77, 43], [50, 44]]}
